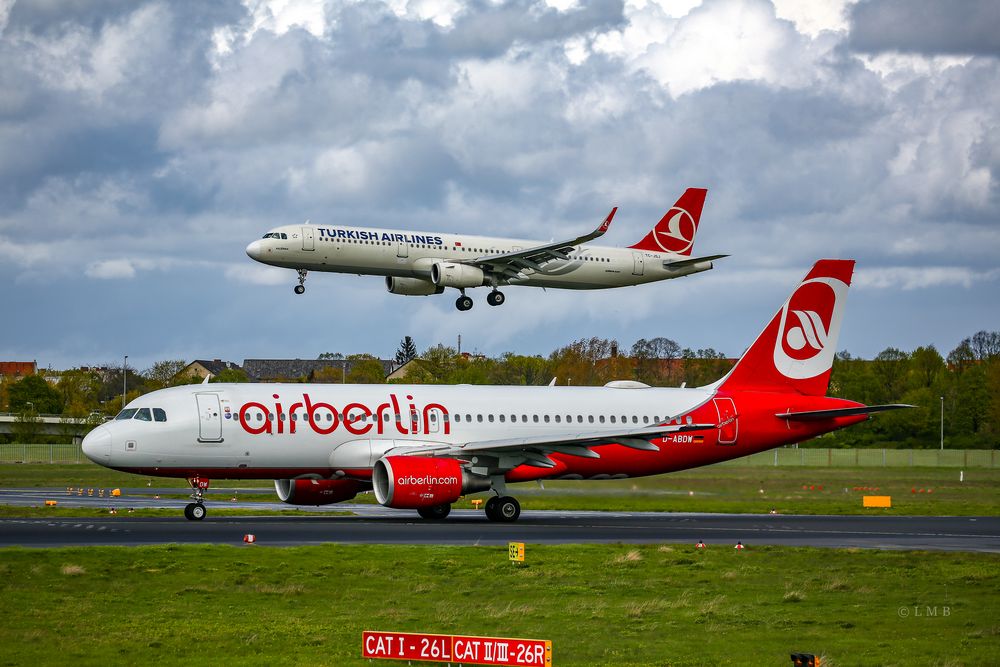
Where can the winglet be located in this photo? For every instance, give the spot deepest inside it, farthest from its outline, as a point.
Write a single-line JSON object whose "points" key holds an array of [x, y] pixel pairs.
{"points": [[607, 222]]}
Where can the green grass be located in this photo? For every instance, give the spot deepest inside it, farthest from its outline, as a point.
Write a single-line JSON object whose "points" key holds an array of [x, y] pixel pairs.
{"points": [[725, 488], [21, 512], [605, 605]]}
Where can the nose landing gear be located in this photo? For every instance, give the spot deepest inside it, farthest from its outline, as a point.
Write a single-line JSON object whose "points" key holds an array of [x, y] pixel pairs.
{"points": [[196, 511], [301, 287]]}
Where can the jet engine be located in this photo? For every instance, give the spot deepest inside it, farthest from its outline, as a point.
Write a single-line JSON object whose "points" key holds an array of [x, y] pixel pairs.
{"points": [[317, 491], [411, 286], [413, 482], [683, 268], [453, 274]]}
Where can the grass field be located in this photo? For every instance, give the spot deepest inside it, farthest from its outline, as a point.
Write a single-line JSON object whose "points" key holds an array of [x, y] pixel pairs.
{"points": [[789, 490], [612, 605]]}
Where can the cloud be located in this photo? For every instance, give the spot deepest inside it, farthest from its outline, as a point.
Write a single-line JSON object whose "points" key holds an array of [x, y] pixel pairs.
{"points": [[915, 278], [111, 269], [926, 26]]}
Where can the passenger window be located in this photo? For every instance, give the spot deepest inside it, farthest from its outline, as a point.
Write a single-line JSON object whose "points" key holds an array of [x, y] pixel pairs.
{"points": [[558, 419], [612, 419], [270, 416], [142, 414], [534, 418], [125, 414], [159, 415], [524, 418], [601, 419], [590, 418], [490, 417], [503, 418], [479, 418], [468, 417], [546, 419], [458, 418], [635, 420]]}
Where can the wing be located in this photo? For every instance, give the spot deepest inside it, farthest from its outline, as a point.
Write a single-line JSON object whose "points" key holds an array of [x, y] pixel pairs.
{"points": [[510, 264], [534, 451]]}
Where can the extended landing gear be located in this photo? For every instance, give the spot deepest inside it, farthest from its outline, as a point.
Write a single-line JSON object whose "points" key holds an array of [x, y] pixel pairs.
{"points": [[435, 512], [505, 509], [495, 298], [463, 302], [196, 511], [301, 287]]}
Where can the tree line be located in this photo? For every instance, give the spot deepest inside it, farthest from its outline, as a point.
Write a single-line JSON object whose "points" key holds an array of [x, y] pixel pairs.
{"points": [[966, 383]]}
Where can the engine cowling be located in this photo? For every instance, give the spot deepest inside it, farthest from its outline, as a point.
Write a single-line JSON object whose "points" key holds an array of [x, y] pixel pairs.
{"points": [[453, 274], [317, 491], [411, 286], [412, 482]]}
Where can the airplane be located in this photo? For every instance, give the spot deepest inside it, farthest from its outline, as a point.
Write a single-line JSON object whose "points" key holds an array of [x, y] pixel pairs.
{"points": [[422, 264], [422, 447]]}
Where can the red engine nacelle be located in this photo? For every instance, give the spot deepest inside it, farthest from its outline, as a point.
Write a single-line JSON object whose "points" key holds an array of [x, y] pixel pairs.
{"points": [[412, 482], [317, 491]]}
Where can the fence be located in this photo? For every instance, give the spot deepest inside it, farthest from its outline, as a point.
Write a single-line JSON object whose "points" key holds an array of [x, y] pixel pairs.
{"points": [[785, 456], [872, 458]]}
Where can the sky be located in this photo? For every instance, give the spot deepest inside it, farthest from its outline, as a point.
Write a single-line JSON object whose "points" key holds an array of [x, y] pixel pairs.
{"points": [[144, 143]]}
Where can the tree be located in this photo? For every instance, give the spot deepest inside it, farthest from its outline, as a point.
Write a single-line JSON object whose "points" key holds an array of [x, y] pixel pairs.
{"points": [[163, 373], [365, 369], [231, 375], [331, 355], [33, 389], [407, 351]]}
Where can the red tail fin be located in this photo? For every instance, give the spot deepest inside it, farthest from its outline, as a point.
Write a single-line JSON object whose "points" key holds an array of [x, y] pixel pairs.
{"points": [[675, 231], [795, 351]]}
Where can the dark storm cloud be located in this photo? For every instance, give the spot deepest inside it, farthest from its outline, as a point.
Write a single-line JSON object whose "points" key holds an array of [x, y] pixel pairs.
{"points": [[970, 27]]}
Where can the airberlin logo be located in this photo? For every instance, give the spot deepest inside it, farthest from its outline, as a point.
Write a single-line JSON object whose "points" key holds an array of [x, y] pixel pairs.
{"points": [[426, 480], [809, 319], [679, 234], [356, 418]]}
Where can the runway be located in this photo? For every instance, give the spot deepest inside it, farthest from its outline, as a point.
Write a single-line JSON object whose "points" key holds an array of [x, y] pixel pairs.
{"points": [[377, 525]]}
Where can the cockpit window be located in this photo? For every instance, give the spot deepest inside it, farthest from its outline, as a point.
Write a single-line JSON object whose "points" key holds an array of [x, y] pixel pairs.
{"points": [[126, 414], [142, 414], [284, 236], [159, 415]]}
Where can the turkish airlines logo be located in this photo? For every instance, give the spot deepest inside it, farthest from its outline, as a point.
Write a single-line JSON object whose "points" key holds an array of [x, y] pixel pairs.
{"points": [[678, 237], [810, 323]]}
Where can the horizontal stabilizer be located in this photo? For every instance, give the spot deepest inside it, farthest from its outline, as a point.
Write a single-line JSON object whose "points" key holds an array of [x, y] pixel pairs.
{"points": [[681, 263], [819, 415]]}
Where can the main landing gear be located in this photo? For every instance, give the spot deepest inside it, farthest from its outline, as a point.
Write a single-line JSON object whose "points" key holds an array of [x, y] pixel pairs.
{"points": [[504, 509], [301, 287], [196, 511], [494, 298]]}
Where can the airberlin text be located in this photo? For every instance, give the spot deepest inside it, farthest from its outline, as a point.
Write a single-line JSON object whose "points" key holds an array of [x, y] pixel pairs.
{"points": [[356, 418], [364, 235]]}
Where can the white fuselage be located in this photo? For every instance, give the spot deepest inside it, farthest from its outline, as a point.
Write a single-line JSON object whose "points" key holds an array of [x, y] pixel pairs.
{"points": [[404, 254], [265, 430]]}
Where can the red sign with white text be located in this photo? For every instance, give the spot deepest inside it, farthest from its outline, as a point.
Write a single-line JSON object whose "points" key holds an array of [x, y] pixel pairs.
{"points": [[456, 648]]}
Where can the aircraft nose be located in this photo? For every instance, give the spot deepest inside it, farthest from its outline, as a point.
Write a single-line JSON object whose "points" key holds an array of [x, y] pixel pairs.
{"points": [[254, 250], [97, 445]]}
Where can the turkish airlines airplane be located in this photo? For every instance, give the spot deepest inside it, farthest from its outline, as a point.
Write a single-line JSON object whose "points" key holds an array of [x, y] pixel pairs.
{"points": [[421, 264], [423, 446]]}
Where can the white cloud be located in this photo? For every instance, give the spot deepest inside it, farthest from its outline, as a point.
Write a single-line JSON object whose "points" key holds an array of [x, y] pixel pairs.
{"points": [[111, 269], [256, 274], [922, 277]]}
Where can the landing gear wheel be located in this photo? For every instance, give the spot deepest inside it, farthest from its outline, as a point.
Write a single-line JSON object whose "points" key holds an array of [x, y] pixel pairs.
{"points": [[491, 507], [194, 512], [301, 287], [495, 298], [435, 512], [505, 510], [464, 303]]}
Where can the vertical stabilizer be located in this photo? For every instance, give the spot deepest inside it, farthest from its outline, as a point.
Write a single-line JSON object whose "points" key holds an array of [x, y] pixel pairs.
{"points": [[675, 231], [796, 349]]}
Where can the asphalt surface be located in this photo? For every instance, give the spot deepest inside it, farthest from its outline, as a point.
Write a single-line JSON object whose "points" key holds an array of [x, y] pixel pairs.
{"points": [[373, 524]]}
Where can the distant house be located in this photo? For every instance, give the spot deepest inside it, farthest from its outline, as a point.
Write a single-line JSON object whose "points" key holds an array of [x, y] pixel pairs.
{"points": [[203, 368], [293, 370], [18, 369], [401, 372]]}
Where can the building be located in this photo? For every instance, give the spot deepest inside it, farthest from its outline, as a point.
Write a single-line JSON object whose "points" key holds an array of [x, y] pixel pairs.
{"points": [[18, 369], [203, 368], [294, 370]]}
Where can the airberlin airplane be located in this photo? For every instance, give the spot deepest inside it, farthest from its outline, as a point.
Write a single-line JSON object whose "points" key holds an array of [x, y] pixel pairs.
{"points": [[423, 446], [421, 264]]}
